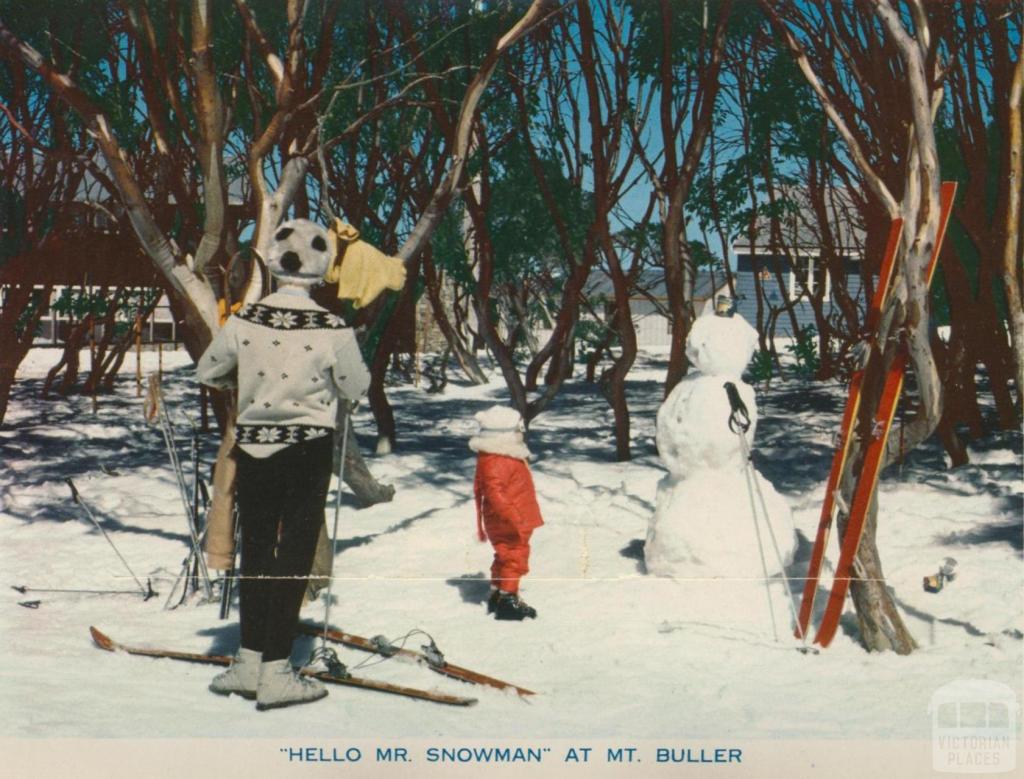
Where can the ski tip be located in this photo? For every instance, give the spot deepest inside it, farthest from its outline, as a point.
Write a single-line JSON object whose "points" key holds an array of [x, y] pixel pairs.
{"points": [[102, 640]]}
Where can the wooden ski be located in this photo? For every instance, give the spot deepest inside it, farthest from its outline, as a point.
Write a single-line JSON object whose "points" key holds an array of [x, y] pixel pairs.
{"points": [[103, 641], [845, 428], [867, 480], [433, 661]]}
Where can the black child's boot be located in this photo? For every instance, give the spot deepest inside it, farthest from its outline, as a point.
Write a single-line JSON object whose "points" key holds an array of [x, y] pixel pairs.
{"points": [[507, 605], [492, 602]]}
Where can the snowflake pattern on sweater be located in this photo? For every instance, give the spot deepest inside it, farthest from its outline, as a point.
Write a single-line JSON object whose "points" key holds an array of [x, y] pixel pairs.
{"points": [[290, 360], [291, 319], [279, 434]]}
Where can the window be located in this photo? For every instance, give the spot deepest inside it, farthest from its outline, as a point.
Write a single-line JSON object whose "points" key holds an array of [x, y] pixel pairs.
{"points": [[812, 272]]}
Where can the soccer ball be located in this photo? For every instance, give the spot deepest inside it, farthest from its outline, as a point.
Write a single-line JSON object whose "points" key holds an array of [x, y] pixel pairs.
{"points": [[301, 253]]}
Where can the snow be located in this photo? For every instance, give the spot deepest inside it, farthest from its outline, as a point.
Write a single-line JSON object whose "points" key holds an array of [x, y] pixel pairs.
{"points": [[614, 654]]}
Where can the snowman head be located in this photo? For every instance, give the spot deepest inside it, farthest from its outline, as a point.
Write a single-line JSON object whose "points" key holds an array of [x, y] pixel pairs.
{"points": [[300, 254], [721, 345]]}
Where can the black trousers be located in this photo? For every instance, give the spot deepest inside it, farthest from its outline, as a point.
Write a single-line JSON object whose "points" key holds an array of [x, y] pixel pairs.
{"points": [[281, 501]]}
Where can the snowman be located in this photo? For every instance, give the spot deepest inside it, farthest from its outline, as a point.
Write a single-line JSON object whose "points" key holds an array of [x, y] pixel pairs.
{"points": [[704, 529]]}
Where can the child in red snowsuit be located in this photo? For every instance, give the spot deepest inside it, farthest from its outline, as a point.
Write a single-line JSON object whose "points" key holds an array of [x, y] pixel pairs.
{"points": [[506, 507]]}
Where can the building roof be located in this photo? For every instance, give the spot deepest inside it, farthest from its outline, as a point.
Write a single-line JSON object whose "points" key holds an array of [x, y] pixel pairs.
{"points": [[99, 259], [651, 284], [800, 228]]}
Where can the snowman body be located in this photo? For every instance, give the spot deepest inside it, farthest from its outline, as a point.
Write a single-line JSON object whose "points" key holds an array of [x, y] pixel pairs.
{"points": [[703, 530]]}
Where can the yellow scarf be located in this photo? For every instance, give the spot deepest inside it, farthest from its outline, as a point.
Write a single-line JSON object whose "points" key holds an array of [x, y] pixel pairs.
{"points": [[361, 271]]}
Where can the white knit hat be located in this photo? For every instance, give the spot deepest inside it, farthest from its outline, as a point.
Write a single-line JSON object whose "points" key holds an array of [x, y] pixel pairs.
{"points": [[499, 418]]}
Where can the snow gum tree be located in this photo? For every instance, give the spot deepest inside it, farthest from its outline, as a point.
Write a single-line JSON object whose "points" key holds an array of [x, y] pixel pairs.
{"points": [[896, 95], [220, 91]]}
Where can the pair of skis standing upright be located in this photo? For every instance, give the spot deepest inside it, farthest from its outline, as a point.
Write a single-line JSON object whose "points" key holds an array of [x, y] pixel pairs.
{"points": [[874, 446]]}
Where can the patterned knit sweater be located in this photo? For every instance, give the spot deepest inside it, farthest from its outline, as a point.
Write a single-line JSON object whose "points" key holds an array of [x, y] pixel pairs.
{"points": [[290, 360]]}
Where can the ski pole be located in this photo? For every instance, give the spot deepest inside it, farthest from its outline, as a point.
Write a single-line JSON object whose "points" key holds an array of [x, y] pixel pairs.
{"points": [[229, 576], [194, 451], [191, 510], [149, 593], [78, 499], [739, 423], [324, 652], [185, 566], [168, 432]]}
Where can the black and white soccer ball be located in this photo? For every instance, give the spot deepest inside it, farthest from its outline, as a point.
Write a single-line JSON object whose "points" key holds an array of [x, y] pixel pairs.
{"points": [[301, 253]]}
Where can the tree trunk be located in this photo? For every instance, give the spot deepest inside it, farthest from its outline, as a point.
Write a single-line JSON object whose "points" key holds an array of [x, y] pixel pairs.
{"points": [[1013, 250], [21, 314], [367, 490], [616, 375], [881, 627], [466, 359]]}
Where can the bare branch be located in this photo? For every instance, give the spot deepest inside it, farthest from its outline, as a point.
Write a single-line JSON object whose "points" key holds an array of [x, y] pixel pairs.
{"points": [[467, 114], [870, 174]]}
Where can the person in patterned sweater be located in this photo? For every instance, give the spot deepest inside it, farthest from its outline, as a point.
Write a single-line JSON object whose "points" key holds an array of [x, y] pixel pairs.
{"points": [[290, 360]]}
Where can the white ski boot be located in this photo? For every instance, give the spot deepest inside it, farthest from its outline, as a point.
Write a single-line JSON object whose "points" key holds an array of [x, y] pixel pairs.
{"points": [[242, 677], [280, 685]]}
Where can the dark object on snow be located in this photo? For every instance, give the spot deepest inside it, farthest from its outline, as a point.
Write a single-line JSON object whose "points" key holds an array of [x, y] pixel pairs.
{"points": [[507, 606], [724, 306], [105, 642], [739, 419], [947, 573], [30, 604]]}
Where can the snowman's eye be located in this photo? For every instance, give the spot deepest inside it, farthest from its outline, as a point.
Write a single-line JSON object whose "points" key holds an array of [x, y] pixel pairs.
{"points": [[283, 233], [319, 243]]}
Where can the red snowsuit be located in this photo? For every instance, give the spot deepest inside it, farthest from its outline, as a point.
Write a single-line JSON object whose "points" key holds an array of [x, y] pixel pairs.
{"points": [[507, 513]]}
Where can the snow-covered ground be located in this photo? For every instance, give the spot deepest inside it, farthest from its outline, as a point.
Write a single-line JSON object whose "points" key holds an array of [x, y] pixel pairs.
{"points": [[614, 653]]}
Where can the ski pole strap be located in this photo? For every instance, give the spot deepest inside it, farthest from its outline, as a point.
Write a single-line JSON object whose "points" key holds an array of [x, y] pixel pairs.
{"points": [[739, 418]]}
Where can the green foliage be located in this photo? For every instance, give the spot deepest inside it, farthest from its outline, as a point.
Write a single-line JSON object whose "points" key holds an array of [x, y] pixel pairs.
{"points": [[968, 255], [76, 304], [805, 351], [589, 335], [688, 32], [13, 216], [761, 366], [520, 223], [702, 256], [785, 125], [136, 301], [28, 314]]}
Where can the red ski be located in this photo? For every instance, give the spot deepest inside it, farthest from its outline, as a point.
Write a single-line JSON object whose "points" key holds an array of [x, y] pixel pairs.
{"points": [[843, 442], [867, 480]]}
